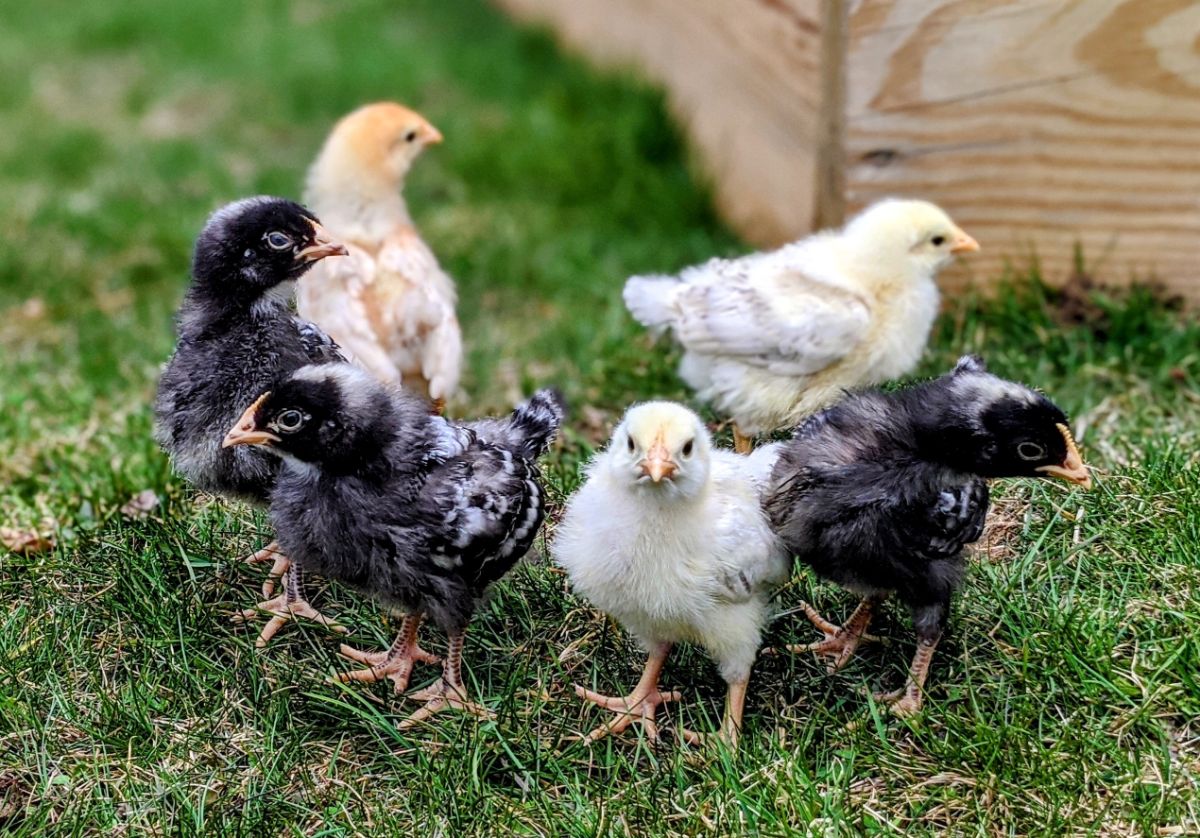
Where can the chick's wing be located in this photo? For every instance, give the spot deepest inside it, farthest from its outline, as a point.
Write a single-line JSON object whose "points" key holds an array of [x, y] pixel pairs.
{"points": [[783, 320]]}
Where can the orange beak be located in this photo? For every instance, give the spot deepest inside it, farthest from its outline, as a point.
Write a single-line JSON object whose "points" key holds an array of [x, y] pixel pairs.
{"points": [[1072, 469], [323, 245], [430, 135], [244, 431], [657, 464], [963, 243]]}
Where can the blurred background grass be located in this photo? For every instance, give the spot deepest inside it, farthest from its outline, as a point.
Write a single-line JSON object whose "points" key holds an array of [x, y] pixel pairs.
{"points": [[1064, 703]]}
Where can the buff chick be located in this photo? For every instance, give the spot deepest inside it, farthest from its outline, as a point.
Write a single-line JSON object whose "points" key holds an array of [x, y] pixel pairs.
{"points": [[770, 338], [388, 304]]}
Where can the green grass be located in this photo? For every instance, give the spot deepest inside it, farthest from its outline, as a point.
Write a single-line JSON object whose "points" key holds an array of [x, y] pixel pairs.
{"points": [[1064, 700]]}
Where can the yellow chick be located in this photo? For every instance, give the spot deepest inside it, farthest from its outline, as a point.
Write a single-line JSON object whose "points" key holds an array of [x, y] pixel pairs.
{"points": [[668, 535], [388, 303], [773, 337]]}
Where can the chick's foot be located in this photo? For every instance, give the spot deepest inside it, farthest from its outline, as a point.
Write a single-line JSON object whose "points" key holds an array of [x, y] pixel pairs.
{"points": [[449, 693], [640, 706], [280, 564], [840, 642], [396, 663], [906, 701], [283, 608]]}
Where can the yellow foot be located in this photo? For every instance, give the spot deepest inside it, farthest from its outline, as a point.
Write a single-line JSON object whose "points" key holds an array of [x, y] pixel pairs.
{"points": [[629, 709], [443, 696], [281, 612], [398, 667], [839, 644]]}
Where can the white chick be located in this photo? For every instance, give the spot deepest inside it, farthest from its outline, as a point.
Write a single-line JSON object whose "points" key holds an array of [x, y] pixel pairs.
{"points": [[388, 303], [668, 536], [773, 337]]}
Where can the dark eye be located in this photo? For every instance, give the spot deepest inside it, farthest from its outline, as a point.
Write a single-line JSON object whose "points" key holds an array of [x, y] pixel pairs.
{"points": [[278, 240], [1030, 451], [687, 447], [289, 421], [410, 136], [629, 441], [938, 241]]}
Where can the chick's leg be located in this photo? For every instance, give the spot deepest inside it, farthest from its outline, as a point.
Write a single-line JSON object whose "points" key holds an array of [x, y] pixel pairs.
{"points": [[639, 706], [396, 663], [731, 725], [742, 444], [450, 693], [840, 641], [907, 700], [291, 603], [271, 553]]}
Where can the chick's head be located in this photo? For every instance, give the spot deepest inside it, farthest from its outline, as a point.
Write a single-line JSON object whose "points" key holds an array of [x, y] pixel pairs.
{"points": [[1015, 430], [661, 447], [917, 234], [257, 243], [330, 415], [376, 144]]}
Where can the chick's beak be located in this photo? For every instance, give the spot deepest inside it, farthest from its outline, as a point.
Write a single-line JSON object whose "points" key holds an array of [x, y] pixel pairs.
{"points": [[963, 243], [246, 432], [430, 135], [657, 464], [322, 245], [1072, 469]]}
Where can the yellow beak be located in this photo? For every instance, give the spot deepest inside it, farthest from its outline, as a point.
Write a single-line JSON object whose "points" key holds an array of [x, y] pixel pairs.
{"points": [[430, 135], [244, 431], [1072, 469], [323, 245], [963, 243]]}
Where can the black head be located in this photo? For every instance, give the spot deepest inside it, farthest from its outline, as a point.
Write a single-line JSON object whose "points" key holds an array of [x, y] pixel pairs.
{"points": [[335, 416], [253, 245], [1005, 429]]}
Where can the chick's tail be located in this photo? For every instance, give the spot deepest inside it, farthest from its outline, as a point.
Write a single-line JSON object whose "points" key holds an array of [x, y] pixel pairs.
{"points": [[535, 422], [651, 300]]}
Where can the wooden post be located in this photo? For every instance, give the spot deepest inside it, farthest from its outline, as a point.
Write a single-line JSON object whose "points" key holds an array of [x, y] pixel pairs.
{"points": [[829, 208]]}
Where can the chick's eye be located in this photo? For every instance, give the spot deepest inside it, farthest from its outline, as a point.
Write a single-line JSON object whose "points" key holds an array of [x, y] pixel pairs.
{"points": [[938, 241], [410, 136], [1030, 451], [687, 447], [278, 240], [629, 443], [289, 421]]}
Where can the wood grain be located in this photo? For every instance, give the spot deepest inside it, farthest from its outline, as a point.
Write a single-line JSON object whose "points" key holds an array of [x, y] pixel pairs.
{"points": [[1040, 125], [742, 75]]}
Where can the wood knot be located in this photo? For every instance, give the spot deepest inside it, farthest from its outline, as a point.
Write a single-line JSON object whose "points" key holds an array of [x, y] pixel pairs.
{"points": [[881, 156]]}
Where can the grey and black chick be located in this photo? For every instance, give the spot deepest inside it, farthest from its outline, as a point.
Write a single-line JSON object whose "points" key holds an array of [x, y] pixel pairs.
{"points": [[420, 513], [237, 336], [882, 492]]}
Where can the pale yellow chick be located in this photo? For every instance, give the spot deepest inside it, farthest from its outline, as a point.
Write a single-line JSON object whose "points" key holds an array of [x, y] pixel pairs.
{"points": [[388, 303], [773, 337]]}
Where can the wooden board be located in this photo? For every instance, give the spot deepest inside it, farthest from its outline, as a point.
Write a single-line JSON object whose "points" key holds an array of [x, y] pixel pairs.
{"points": [[742, 75], [1038, 124]]}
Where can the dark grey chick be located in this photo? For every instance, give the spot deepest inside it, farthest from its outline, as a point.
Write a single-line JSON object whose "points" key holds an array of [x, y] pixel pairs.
{"points": [[882, 492], [237, 336], [420, 513]]}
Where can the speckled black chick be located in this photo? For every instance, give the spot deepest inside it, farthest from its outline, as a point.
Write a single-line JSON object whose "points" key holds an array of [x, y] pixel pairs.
{"points": [[237, 336], [420, 513], [882, 492]]}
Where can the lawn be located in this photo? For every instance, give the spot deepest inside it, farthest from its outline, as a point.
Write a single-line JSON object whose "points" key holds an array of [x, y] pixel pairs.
{"points": [[1064, 701]]}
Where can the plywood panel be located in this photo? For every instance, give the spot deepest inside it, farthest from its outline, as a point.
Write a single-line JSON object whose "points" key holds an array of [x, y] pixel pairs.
{"points": [[743, 75], [1038, 124]]}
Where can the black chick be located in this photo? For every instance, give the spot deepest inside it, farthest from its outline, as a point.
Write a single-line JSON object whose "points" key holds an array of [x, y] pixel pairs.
{"points": [[882, 492], [237, 335], [418, 512]]}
